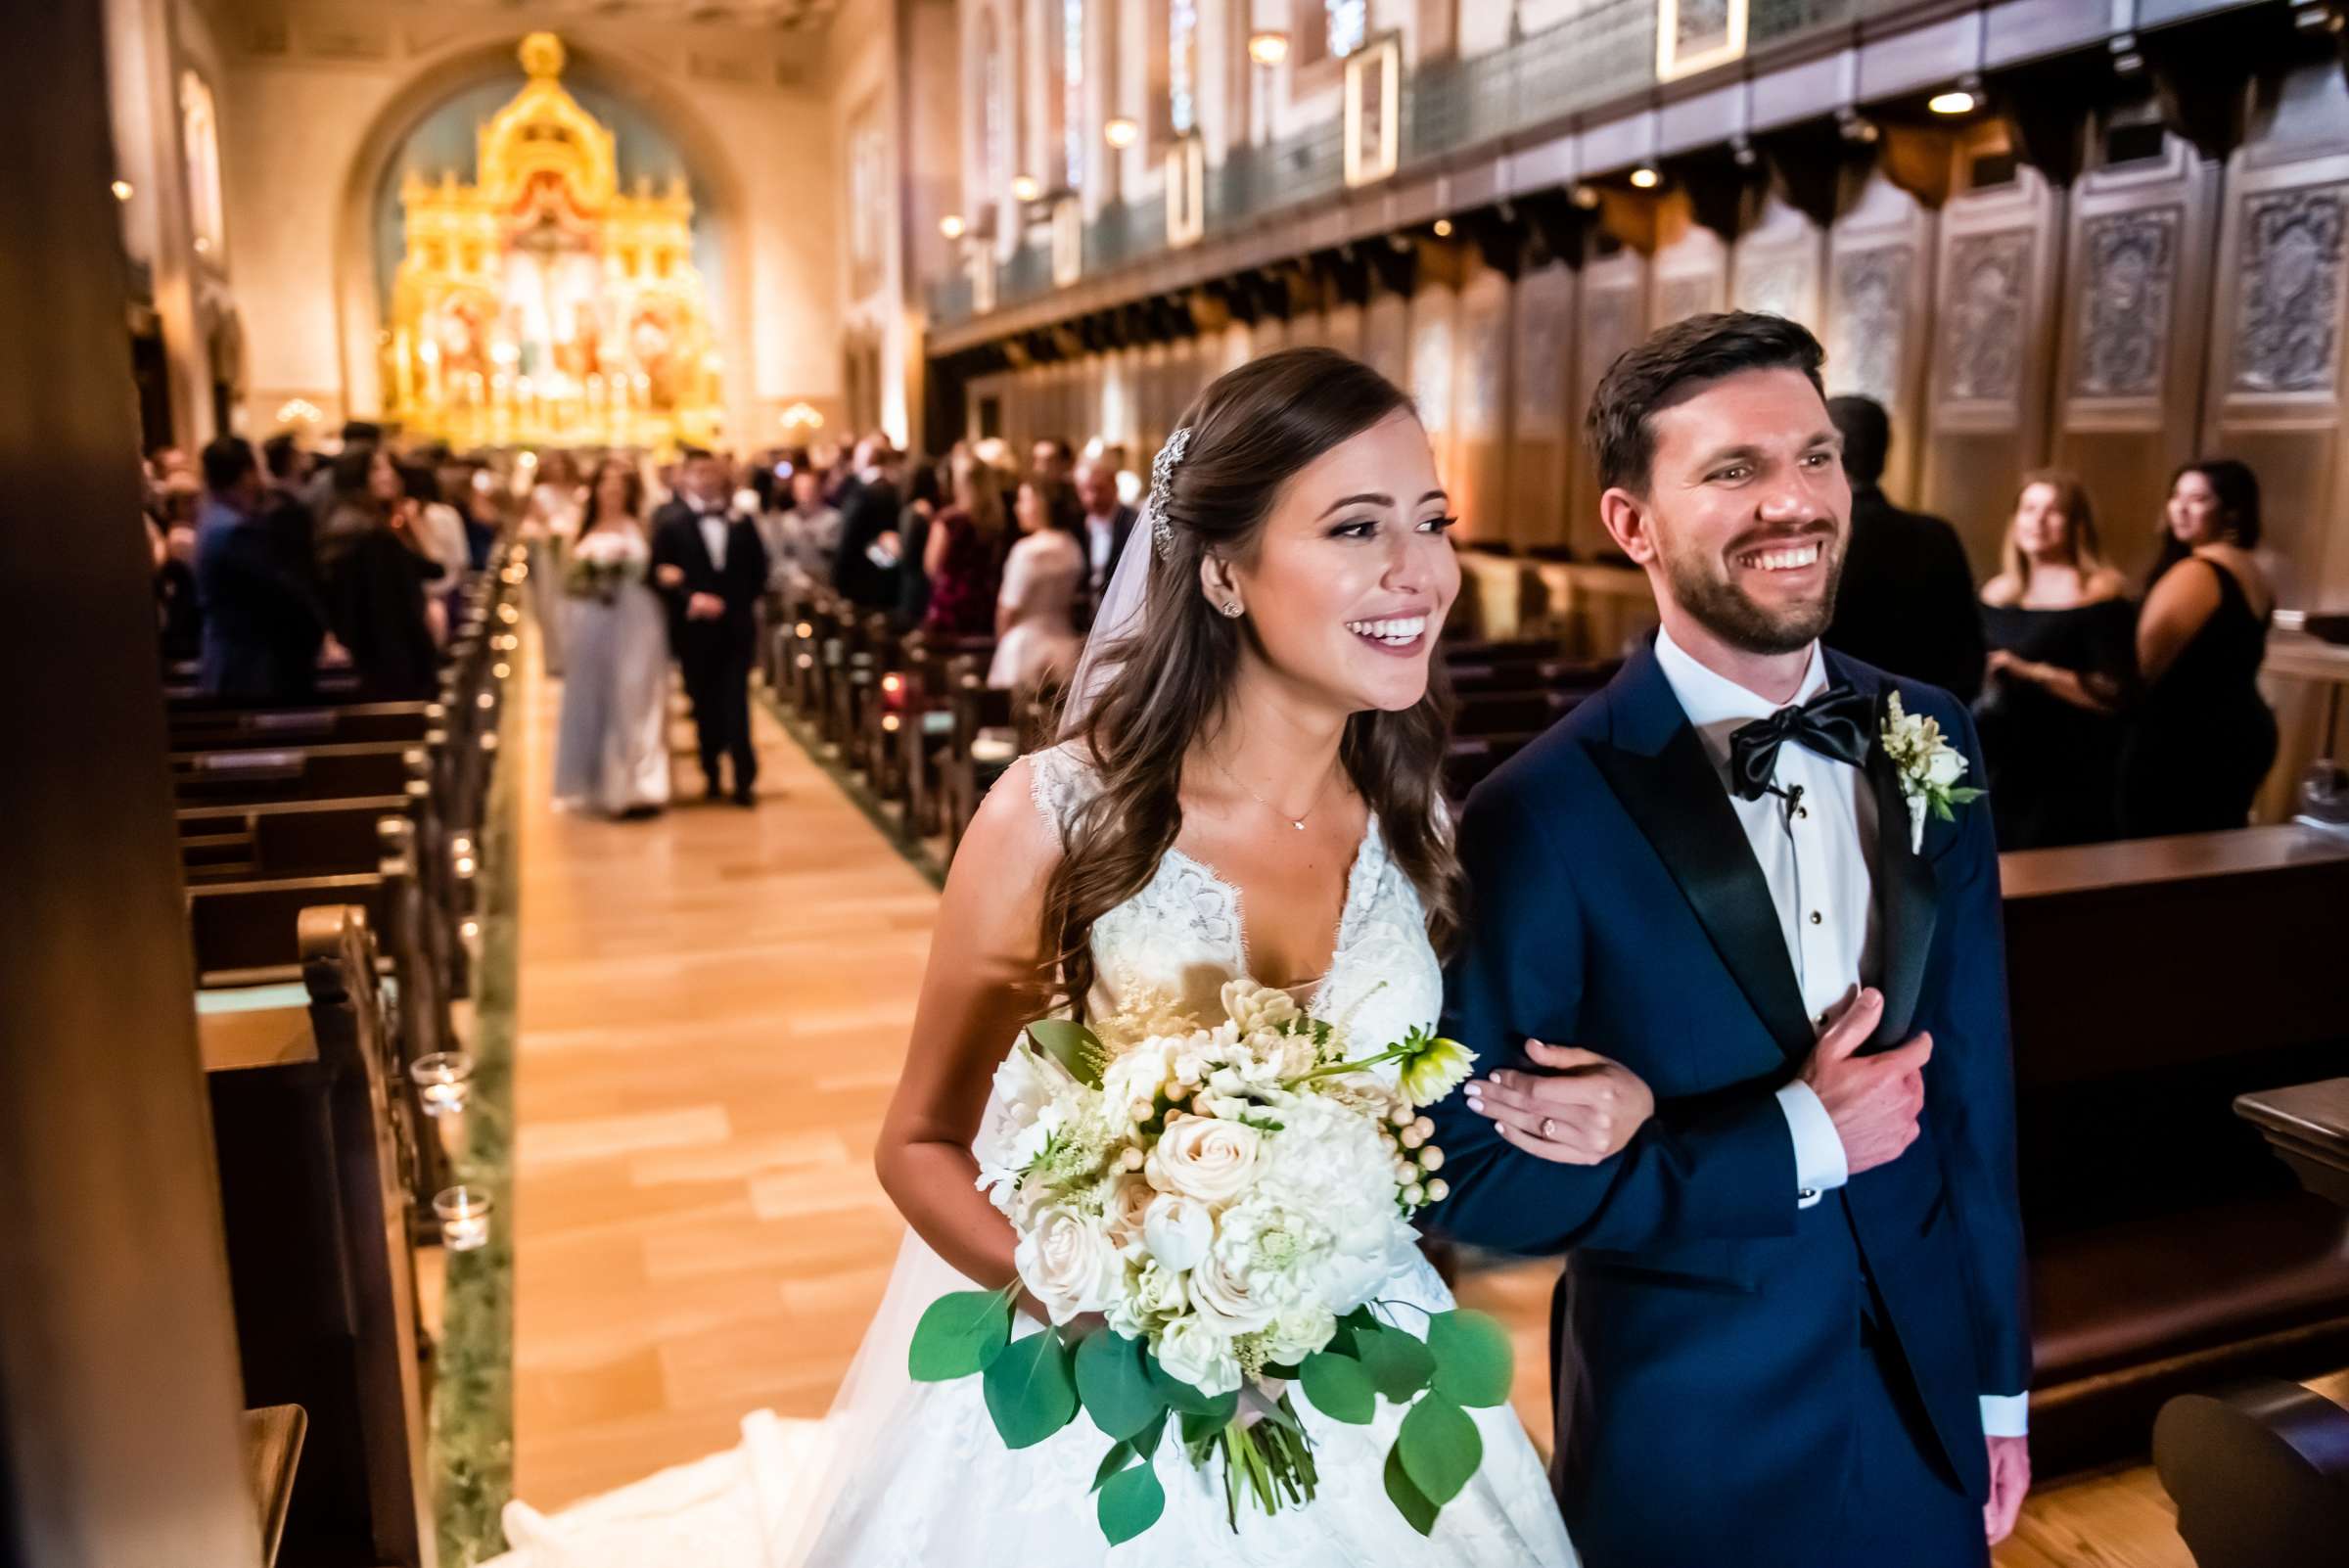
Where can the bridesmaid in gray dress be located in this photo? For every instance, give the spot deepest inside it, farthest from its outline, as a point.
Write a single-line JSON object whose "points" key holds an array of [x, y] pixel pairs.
{"points": [[612, 751]]}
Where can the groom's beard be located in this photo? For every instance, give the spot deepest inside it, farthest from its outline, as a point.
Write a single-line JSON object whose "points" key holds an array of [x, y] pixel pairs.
{"points": [[1701, 586]]}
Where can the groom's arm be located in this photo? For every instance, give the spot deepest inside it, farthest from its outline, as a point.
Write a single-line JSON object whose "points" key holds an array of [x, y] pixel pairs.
{"points": [[1969, 1100], [1724, 1170]]}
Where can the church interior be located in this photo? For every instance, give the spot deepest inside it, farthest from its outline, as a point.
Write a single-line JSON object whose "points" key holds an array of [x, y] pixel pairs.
{"points": [[442, 1099]]}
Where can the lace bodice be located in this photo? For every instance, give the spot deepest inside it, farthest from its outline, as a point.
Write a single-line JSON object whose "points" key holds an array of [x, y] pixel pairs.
{"points": [[1183, 933]]}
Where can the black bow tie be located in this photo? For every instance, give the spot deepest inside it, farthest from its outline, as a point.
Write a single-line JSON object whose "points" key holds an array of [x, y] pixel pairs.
{"points": [[1834, 724]]}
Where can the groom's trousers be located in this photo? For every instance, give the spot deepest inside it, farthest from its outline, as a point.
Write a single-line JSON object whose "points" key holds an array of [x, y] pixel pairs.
{"points": [[1902, 1507]]}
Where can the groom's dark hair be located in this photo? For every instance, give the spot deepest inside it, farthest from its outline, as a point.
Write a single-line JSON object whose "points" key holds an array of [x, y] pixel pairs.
{"points": [[1705, 347]]}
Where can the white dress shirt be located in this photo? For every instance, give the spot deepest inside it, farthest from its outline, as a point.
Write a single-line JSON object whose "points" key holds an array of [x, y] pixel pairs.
{"points": [[1816, 852], [714, 525], [1101, 534]]}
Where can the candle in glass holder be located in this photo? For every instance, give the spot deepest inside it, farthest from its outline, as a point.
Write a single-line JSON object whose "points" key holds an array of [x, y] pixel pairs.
{"points": [[464, 1214], [443, 1081]]}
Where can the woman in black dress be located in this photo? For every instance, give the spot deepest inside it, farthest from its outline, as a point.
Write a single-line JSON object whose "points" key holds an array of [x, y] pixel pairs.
{"points": [[2204, 739], [373, 570], [2059, 629]]}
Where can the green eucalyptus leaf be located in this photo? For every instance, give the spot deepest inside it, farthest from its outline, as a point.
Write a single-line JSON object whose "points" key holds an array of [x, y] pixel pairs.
{"points": [[1440, 1447], [1400, 1364], [1340, 1388], [1115, 1384], [1131, 1503], [959, 1334], [1408, 1500], [1473, 1358], [1029, 1391], [1119, 1457], [1178, 1393], [1071, 1045]]}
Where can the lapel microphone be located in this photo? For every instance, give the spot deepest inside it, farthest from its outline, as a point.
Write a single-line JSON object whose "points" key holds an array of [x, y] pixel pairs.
{"points": [[1792, 795]]}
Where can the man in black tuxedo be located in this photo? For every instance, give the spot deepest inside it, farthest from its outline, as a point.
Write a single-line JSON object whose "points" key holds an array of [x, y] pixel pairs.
{"points": [[1103, 527], [710, 567], [263, 624], [868, 562], [1908, 602]]}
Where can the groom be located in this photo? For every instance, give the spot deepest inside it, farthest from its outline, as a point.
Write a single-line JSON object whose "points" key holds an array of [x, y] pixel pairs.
{"points": [[1791, 1329]]}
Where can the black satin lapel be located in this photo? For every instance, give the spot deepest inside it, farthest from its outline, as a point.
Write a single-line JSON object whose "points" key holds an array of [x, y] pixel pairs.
{"points": [[1906, 902], [1682, 807]]}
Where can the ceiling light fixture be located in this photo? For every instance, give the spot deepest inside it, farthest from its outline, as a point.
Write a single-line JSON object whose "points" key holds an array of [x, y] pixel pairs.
{"points": [[1024, 188], [1269, 48], [952, 226], [1646, 178], [1443, 228], [1958, 102], [1120, 132]]}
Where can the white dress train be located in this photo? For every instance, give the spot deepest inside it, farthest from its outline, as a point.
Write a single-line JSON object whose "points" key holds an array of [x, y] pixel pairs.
{"points": [[911, 1475]]}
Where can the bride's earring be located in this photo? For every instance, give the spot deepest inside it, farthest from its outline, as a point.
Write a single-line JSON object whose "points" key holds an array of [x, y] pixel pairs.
{"points": [[1232, 608]]}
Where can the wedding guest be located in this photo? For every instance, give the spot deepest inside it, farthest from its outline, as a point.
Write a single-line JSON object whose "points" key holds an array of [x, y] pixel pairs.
{"points": [[375, 574], [1036, 644], [291, 525], [440, 530], [485, 517], [1906, 602], [611, 750], [800, 539], [1049, 459], [712, 568], [178, 606], [2061, 633], [2203, 738], [963, 556], [263, 626], [923, 495], [867, 560], [1106, 524], [550, 515]]}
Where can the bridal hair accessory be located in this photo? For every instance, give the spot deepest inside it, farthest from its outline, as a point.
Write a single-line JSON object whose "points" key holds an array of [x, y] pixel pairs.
{"points": [[1162, 475]]}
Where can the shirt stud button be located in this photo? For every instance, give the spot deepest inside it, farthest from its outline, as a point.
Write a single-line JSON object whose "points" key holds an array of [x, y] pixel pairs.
{"points": [[1817, 917], [1801, 811]]}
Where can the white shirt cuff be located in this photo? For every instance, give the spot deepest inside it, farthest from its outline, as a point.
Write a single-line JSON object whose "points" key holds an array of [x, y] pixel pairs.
{"points": [[1820, 1165], [2006, 1416]]}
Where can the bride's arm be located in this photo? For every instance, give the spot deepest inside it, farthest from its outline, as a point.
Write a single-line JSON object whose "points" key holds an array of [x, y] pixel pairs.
{"points": [[981, 988]]}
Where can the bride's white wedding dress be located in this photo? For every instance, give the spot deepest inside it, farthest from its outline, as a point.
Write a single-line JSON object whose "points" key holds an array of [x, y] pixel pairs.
{"points": [[912, 1475]]}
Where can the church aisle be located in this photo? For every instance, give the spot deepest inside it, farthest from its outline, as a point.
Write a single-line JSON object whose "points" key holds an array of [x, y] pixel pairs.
{"points": [[713, 1008]]}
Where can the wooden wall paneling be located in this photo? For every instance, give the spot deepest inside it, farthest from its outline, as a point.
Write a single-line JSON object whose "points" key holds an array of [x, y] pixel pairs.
{"points": [[1544, 447], [1993, 321], [1184, 380], [1612, 316], [1879, 289], [1781, 266], [2132, 337], [1483, 349], [2274, 396], [1343, 324], [1433, 339], [1386, 342], [1690, 266]]}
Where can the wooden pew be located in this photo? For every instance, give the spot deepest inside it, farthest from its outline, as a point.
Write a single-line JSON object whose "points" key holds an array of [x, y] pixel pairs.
{"points": [[316, 1223], [2152, 982]]}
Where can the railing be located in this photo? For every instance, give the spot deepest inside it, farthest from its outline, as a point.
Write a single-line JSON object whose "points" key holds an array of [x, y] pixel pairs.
{"points": [[1605, 51]]}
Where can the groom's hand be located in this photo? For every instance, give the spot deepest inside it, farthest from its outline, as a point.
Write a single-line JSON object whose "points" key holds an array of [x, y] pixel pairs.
{"points": [[2009, 1480], [1873, 1100]]}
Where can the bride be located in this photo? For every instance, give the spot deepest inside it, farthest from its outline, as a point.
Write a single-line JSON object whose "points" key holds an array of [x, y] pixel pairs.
{"points": [[1248, 788]]}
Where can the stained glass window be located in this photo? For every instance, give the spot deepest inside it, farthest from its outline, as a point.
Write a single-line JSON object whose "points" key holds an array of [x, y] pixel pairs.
{"points": [[1349, 24], [1072, 89], [1182, 66]]}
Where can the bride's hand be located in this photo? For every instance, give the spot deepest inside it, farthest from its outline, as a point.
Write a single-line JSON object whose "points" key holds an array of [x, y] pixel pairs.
{"points": [[1584, 1113]]}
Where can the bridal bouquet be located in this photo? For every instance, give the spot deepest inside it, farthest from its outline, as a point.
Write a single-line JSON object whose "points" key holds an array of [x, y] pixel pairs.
{"points": [[1228, 1199], [605, 561]]}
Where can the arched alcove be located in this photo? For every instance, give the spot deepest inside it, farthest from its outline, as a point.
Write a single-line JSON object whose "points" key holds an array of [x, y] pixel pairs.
{"points": [[605, 76]]}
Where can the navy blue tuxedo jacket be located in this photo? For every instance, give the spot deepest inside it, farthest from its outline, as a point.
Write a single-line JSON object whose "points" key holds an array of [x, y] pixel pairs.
{"points": [[1706, 1331]]}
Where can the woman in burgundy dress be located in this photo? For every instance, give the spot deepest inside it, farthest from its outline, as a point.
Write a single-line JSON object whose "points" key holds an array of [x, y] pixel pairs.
{"points": [[963, 557]]}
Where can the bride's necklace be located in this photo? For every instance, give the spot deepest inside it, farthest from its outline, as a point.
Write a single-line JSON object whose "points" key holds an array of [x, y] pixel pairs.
{"points": [[1297, 822]]}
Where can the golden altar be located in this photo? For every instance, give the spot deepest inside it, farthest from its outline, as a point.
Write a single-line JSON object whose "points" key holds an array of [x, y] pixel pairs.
{"points": [[543, 305]]}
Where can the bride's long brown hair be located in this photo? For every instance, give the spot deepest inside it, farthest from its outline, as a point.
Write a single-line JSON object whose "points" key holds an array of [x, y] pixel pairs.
{"points": [[1250, 432]]}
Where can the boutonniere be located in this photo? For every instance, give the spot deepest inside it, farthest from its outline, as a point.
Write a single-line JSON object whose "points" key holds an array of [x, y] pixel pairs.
{"points": [[1928, 766]]}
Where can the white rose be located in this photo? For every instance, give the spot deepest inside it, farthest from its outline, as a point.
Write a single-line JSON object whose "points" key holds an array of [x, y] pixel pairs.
{"points": [[1177, 1230], [1204, 1158], [1945, 766], [1126, 1207], [1251, 1007], [1221, 1299], [1160, 1291], [1196, 1354], [1137, 1076], [1025, 1084], [1299, 1332], [1068, 1264]]}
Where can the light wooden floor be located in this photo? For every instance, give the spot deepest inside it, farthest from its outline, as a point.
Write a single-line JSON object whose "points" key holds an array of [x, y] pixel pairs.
{"points": [[712, 1007]]}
